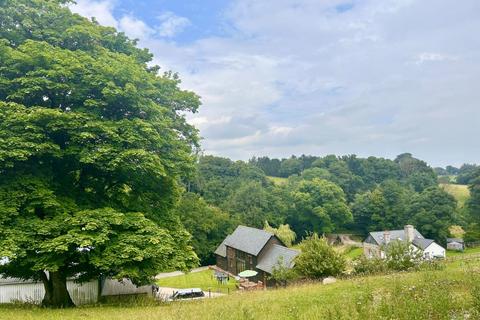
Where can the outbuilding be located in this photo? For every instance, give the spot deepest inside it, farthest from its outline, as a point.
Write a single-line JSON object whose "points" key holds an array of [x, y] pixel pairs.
{"points": [[456, 244]]}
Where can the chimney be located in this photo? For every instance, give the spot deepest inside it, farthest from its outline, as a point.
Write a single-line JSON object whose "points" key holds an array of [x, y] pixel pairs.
{"points": [[409, 233], [386, 237]]}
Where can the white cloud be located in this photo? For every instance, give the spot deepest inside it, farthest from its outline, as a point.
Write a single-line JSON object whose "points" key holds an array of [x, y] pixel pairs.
{"points": [[171, 24], [134, 28], [433, 56], [298, 77], [102, 10]]}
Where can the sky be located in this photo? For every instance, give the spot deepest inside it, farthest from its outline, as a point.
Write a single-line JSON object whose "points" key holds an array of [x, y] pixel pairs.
{"points": [[283, 77]]}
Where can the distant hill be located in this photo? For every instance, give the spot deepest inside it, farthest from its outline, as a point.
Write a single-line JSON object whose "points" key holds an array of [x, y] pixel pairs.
{"points": [[459, 191]]}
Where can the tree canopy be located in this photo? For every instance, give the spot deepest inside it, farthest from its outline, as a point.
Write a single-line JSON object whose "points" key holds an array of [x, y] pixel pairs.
{"points": [[94, 143]]}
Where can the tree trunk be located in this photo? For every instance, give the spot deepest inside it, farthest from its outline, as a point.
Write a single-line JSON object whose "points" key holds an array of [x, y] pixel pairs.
{"points": [[56, 293]]}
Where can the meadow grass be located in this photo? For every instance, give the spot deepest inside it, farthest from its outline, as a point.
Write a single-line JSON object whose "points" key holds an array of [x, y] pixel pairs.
{"points": [[203, 279], [459, 191], [451, 293], [277, 180]]}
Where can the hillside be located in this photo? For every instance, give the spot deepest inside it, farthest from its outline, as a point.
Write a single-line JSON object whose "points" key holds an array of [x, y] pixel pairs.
{"points": [[459, 191], [443, 294]]}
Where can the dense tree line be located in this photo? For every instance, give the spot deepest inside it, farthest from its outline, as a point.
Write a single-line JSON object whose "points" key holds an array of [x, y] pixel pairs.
{"points": [[322, 194]]}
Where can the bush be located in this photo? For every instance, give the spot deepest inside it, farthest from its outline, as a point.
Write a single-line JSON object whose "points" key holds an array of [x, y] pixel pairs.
{"points": [[364, 266], [282, 273], [318, 259], [402, 256]]}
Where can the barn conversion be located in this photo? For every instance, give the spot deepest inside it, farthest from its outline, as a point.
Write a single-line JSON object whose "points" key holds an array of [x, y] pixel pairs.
{"points": [[253, 249], [374, 244]]}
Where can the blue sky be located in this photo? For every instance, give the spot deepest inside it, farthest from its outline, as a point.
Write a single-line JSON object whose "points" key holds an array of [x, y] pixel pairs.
{"points": [[282, 77]]}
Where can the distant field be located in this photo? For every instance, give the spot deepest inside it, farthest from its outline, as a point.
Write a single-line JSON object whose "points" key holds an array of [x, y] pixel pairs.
{"points": [[277, 180], [459, 191]]}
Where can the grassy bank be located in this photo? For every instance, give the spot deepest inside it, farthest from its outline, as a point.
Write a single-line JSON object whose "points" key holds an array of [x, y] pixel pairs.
{"points": [[453, 293], [458, 191]]}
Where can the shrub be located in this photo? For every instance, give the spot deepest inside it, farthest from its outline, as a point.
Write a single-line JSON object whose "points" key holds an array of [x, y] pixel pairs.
{"points": [[282, 273], [364, 266], [318, 259], [402, 256]]}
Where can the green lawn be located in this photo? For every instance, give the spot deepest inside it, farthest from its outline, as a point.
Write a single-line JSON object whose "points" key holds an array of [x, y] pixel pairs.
{"points": [[451, 253], [450, 293], [353, 253], [203, 279], [459, 191]]}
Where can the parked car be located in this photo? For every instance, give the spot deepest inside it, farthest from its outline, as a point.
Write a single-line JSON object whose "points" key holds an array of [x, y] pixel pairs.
{"points": [[191, 293]]}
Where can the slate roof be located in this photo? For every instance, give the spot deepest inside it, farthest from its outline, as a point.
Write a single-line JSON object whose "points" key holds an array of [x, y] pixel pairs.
{"points": [[422, 243], [271, 257], [249, 240], [222, 249], [394, 235], [449, 240]]}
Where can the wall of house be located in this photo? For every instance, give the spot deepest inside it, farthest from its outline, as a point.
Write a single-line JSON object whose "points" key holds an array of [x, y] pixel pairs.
{"points": [[455, 246], [33, 292], [434, 250], [221, 262], [372, 251]]}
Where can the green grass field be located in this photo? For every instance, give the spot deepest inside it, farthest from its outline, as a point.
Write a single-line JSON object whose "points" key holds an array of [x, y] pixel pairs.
{"points": [[452, 293], [203, 279], [277, 180], [459, 191]]}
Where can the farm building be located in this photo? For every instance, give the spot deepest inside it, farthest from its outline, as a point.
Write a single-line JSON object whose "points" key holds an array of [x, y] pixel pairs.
{"points": [[17, 290], [374, 244], [456, 244], [253, 249]]}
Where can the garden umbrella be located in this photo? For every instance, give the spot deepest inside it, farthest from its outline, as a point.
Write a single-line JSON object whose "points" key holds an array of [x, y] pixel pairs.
{"points": [[248, 273]]}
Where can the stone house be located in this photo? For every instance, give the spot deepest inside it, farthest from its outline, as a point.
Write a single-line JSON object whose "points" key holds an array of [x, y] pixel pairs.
{"points": [[253, 249], [374, 244]]}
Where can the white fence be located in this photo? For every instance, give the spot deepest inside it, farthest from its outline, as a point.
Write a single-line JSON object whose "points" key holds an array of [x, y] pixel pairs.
{"points": [[13, 290]]}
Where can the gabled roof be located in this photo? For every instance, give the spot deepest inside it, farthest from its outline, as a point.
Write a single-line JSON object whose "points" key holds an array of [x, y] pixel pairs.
{"points": [[394, 235], [271, 258], [449, 240], [222, 249], [249, 240], [422, 243]]}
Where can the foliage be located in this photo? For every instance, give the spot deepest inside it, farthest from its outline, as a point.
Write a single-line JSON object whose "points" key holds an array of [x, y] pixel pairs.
{"points": [[282, 273], [384, 208], [207, 224], [433, 211], [402, 256], [317, 206], [473, 204], [94, 143], [283, 232], [467, 173], [318, 260], [369, 266], [456, 231]]}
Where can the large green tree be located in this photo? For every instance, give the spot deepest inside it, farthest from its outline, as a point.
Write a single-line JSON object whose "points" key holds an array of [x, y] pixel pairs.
{"points": [[207, 224], [432, 212], [317, 206], [93, 143]]}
